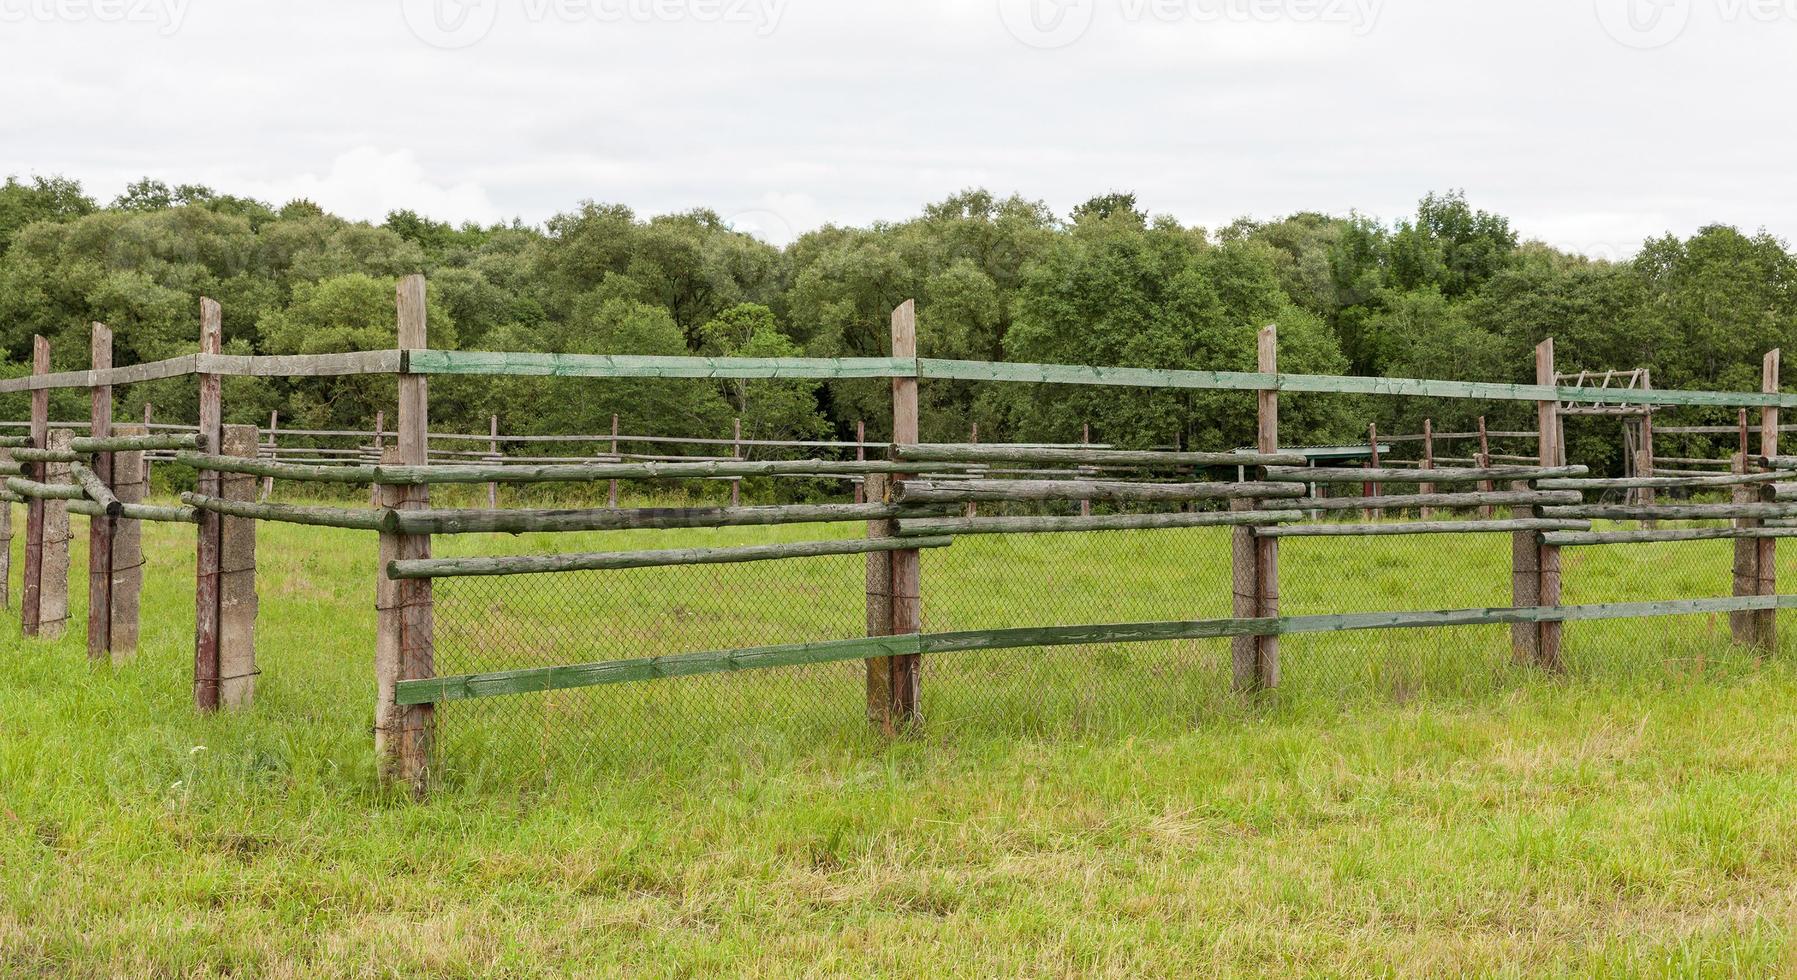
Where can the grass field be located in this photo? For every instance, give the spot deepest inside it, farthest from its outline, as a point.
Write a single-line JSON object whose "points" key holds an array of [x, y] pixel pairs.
{"points": [[1407, 804]]}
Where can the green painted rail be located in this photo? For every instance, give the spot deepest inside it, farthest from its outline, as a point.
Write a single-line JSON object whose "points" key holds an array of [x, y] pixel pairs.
{"points": [[439, 689]]}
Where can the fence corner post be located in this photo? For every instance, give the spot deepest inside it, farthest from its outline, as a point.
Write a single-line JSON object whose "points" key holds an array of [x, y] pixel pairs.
{"points": [[907, 591], [101, 529], [1254, 559], [1547, 563], [31, 592], [206, 667], [237, 603], [404, 648]]}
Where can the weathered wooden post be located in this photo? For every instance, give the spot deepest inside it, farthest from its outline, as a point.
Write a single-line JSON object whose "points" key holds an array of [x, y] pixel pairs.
{"points": [[53, 619], [611, 493], [907, 593], [380, 453], [861, 487], [237, 578], [32, 592], [1255, 560], [493, 451], [973, 439], [1484, 462], [404, 648], [1085, 439], [6, 460], [1644, 453], [149, 411], [1552, 453], [268, 482], [130, 484], [100, 528], [879, 612], [1766, 630], [736, 452], [1366, 487], [206, 666], [1428, 463]]}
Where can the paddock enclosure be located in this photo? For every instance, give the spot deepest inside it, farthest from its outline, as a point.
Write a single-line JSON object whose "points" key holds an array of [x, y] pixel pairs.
{"points": [[939, 585]]}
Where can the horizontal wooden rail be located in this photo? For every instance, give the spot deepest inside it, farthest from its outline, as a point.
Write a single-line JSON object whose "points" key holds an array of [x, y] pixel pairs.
{"points": [[999, 453], [1418, 527], [1444, 501], [29, 455], [420, 568], [957, 526], [44, 491], [1573, 539], [380, 519], [138, 512], [1350, 474], [125, 444], [613, 519], [573, 473], [964, 491], [1664, 483], [438, 689], [622, 366], [1673, 512]]}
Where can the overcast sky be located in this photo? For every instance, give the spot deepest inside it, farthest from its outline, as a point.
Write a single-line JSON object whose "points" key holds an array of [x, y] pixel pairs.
{"points": [[1591, 123]]}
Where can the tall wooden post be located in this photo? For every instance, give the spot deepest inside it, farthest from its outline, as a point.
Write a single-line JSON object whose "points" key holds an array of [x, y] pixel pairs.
{"points": [[1428, 460], [1267, 549], [375, 498], [130, 483], [1766, 630], [149, 412], [611, 495], [736, 452], [6, 459], [861, 486], [404, 647], [907, 601], [1085, 439], [1645, 453], [237, 578], [879, 613], [100, 529], [31, 598], [1553, 453], [54, 604], [973, 438], [1254, 561], [1484, 461], [268, 482], [493, 450], [205, 623]]}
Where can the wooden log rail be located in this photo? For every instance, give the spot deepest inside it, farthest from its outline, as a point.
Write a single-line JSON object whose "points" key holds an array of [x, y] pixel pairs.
{"points": [[1121, 459], [1419, 527], [1576, 539], [1344, 474], [578, 473], [440, 689], [1442, 501], [1114, 522], [433, 568], [395, 521], [1674, 512], [1663, 482], [962, 491]]}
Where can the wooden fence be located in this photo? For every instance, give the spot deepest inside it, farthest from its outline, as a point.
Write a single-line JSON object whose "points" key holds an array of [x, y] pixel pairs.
{"points": [[919, 498]]}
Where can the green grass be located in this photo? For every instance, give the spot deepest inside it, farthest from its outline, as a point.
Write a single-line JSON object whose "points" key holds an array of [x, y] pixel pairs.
{"points": [[1406, 804]]}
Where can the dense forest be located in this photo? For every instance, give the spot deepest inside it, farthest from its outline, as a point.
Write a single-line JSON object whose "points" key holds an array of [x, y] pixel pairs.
{"points": [[1449, 292]]}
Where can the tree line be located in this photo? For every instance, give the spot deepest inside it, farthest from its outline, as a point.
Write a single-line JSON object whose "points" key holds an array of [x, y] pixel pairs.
{"points": [[1448, 292]]}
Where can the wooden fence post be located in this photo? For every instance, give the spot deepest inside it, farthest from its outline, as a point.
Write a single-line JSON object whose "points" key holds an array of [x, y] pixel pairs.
{"points": [[1368, 488], [879, 613], [403, 646], [1428, 463], [1552, 453], [611, 494], [6, 542], [1484, 461], [973, 439], [53, 620], [493, 450], [380, 443], [736, 452], [206, 667], [861, 486], [907, 602], [149, 411], [1085, 439], [237, 578], [100, 529], [1766, 634], [130, 483], [32, 593], [1267, 549], [268, 482]]}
